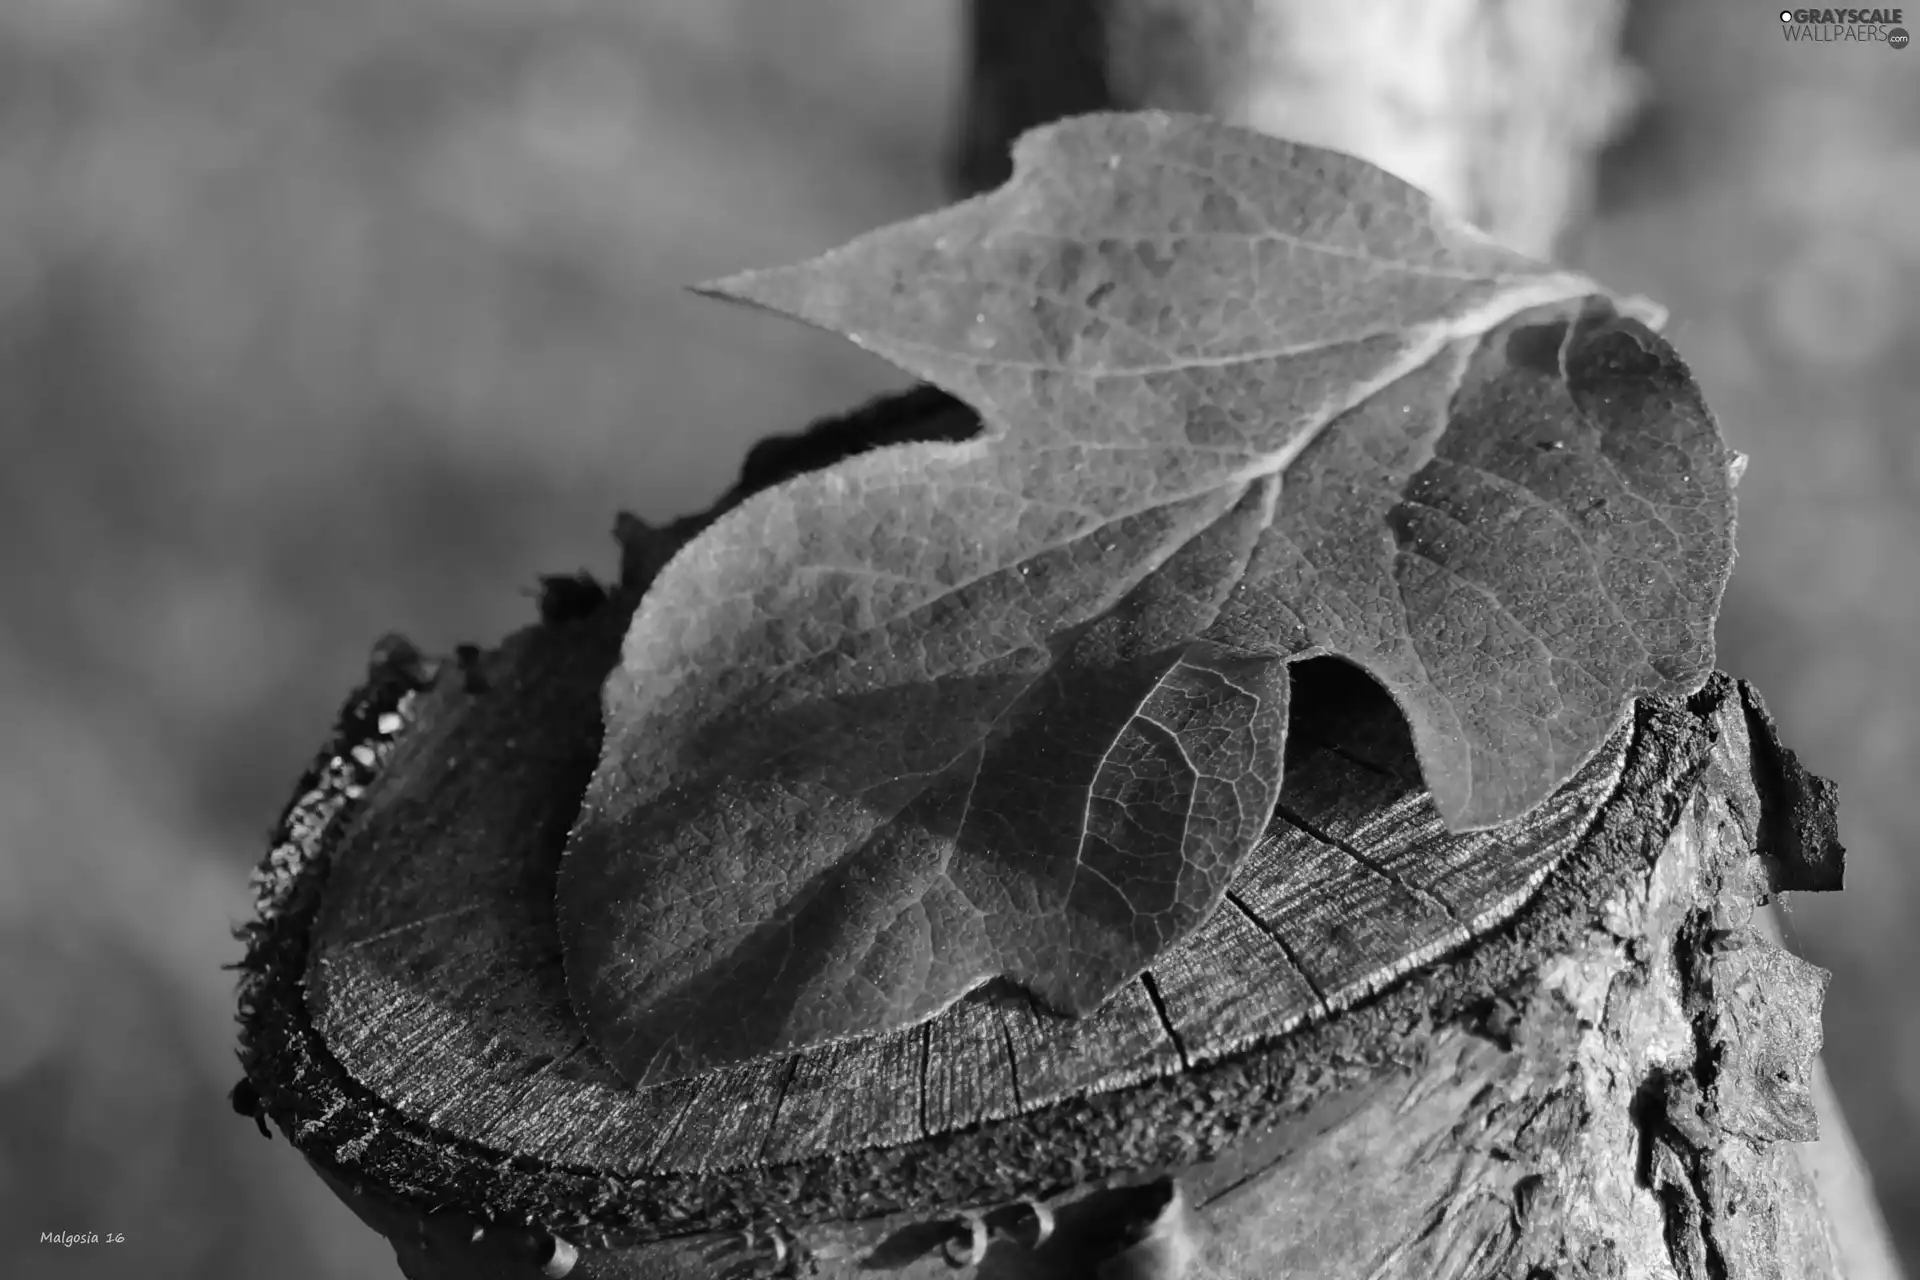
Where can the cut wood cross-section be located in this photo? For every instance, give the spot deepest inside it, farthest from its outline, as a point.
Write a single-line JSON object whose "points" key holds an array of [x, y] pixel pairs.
{"points": [[1560, 1043]]}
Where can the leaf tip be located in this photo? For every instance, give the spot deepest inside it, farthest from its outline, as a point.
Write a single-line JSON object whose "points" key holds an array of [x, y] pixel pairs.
{"points": [[762, 287], [817, 291]]}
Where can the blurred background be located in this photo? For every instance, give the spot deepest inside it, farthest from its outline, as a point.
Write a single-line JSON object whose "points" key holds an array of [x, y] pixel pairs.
{"points": [[320, 321]]}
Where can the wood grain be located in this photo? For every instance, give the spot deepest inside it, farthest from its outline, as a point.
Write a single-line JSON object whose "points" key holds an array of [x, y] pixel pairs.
{"points": [[404, 1019], [435, 971], [1639, 1112]]}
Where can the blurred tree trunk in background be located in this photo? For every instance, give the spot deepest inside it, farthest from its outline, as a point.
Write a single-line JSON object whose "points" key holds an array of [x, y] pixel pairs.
{"points": [[1500, 110]]}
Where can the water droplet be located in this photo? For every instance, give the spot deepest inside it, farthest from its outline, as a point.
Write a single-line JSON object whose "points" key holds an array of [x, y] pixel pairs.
{"points": [[980, 335]]}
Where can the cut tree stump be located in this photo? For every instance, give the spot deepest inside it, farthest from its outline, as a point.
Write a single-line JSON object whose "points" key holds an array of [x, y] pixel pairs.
{"points": [[1562, 1047]]}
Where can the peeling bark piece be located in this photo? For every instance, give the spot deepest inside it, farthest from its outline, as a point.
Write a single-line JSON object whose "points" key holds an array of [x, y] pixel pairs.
{"points": [[1799, 825]]}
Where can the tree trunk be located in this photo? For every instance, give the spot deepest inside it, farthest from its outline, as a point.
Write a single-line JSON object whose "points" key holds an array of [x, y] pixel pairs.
{"points": [[1497, 109], [1567, 1047]]}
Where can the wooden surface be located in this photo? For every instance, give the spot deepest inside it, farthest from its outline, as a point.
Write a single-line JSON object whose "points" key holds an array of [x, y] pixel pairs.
{"points": [[435, 973], [405, 1025], [1628, 1101]]}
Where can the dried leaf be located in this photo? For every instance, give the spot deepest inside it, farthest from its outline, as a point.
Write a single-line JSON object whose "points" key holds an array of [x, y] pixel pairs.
{"points": [[1016, 705]]}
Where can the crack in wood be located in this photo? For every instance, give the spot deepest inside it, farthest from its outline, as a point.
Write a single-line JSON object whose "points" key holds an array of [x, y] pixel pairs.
{"points": [[671, 1133], [1286, 950], [1013, 1061], [1334, 748], [438, 917], [779, 1101], [1166, 1023], [926, 1058], [1376, 865]]}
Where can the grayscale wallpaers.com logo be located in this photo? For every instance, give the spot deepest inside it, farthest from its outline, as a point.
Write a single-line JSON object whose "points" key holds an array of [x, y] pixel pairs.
{"points": [[1829, 26]]}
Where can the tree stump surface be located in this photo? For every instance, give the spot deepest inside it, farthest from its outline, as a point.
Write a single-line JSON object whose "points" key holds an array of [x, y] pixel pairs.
{"points": [[1564, 1044]]}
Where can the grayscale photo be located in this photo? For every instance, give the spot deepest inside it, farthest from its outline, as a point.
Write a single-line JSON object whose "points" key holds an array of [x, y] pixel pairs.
{"points": [[999, 639]]}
